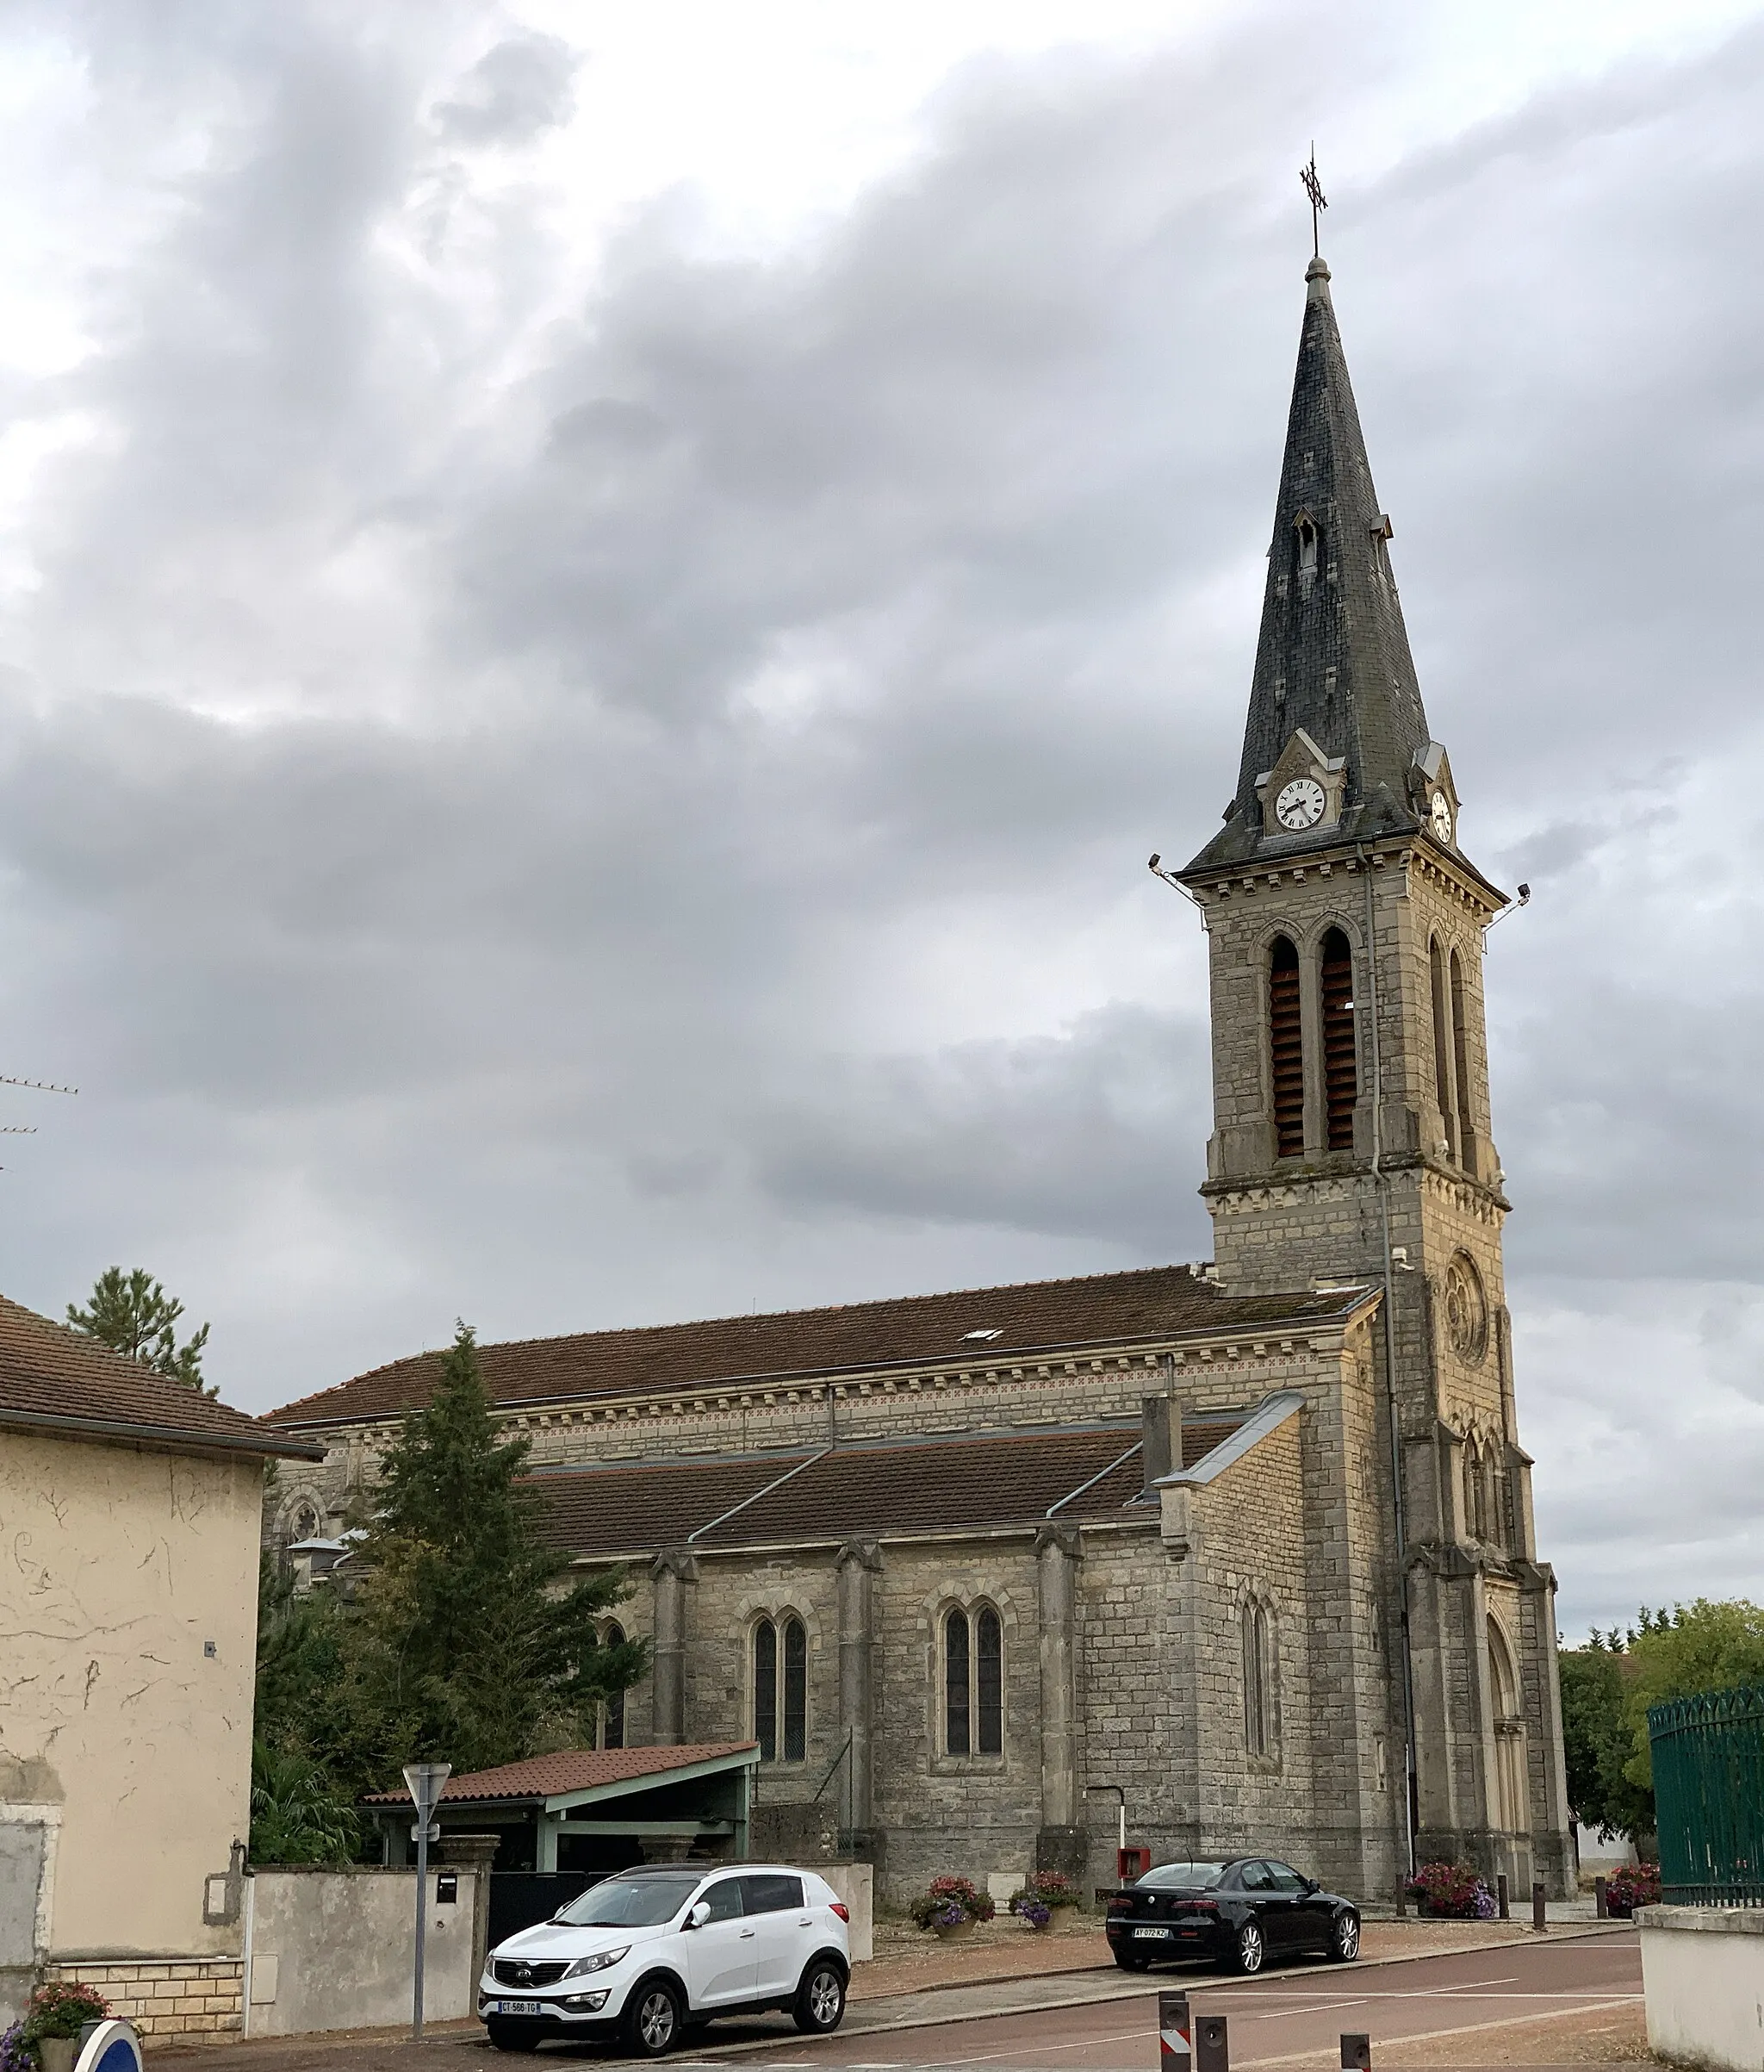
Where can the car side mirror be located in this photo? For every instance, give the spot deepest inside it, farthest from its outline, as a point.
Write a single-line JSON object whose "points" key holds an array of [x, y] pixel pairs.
{"points": [[1311, 1885], [699, 1915]]}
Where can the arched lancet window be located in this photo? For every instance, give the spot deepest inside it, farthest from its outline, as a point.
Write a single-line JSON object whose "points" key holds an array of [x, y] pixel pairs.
{"points": [[1476, 1492], [612, 1727], [1286, 1050], [1341, 1085], [1461, 1058], [973, 1683], [1306, 529], [1260, 1670], [795, 1691], [765, 1689], [989, 1682], [1442, 1045], [782, 1688], [303, 1525]]}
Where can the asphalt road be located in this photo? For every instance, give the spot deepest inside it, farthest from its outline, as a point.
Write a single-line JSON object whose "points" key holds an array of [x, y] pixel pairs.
{"points": [[1282, 2018], [1289, 2017]]}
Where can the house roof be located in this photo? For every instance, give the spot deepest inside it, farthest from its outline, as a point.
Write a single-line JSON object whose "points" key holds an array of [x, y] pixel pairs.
{"points": [[57, 1380], [1149, 1302], [573, 1769], [886, 1489]]}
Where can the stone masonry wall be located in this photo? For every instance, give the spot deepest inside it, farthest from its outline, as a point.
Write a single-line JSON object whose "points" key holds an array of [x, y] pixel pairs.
{"points": [[164, 1996]]}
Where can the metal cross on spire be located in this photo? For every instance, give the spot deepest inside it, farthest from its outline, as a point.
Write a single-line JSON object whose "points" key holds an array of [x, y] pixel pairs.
{"points": [[1319, 200]]}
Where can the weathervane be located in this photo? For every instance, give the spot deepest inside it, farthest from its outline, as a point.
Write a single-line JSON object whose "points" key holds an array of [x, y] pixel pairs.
{"points": [[1319, 200]]}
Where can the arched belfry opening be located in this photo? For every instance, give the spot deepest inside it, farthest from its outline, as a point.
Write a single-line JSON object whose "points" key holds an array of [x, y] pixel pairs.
{"points": [[1286, 1048], [1341, 1077]]}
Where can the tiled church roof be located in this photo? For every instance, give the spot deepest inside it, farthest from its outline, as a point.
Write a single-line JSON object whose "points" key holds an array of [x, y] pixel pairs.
{"points": [[1147, 1303], [56, 1380], [920, 1485]]}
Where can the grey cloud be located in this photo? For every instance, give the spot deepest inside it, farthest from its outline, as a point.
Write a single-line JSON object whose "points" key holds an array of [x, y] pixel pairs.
{"points": [[668, 834], [525, 85]]}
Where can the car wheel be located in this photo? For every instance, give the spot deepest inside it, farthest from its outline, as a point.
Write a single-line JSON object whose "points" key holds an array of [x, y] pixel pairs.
{"points": [[505, 2039], [1130, 1960], [1345, 1939], [1249, 1952], [653, 2020], [820, 1999]]}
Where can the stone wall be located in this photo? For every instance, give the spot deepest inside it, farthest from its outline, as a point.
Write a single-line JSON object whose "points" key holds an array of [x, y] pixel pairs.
{"points": [[162, 1996]]}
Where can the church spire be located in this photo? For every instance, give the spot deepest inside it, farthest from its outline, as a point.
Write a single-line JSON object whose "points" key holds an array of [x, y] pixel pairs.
{"points": [[1336, 749]]}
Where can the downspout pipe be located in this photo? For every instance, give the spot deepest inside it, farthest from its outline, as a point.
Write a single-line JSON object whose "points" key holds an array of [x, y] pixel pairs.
{"points": [[1380, 1181]]}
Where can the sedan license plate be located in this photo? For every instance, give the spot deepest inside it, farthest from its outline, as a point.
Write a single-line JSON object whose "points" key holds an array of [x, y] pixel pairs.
{"points": [[1153, 1935], [515, 2006]]}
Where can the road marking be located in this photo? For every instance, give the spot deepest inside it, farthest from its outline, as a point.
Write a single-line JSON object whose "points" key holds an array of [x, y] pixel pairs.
{"points": [[1429, 2036]]}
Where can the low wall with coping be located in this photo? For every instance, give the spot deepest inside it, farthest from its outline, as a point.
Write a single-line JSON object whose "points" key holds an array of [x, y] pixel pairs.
{"points": [[1703, 1974], [337, 1949]]}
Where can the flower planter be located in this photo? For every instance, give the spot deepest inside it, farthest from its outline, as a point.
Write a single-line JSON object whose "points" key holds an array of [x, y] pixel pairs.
{"points": [[58, 2053], [1062, 1914], [952, 1931]]}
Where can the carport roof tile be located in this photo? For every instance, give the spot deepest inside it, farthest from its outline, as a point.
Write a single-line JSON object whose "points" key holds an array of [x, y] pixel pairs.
{"points": [[573, 1769]]}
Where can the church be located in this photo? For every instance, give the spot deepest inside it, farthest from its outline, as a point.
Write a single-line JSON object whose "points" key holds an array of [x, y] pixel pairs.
{"points": [[1245, 1546]]}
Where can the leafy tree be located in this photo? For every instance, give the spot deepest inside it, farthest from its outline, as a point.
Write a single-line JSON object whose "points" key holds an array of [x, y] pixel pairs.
{"points": [[1597, 1740], [1706, 1645], [298, 1813], [132, 1314]]}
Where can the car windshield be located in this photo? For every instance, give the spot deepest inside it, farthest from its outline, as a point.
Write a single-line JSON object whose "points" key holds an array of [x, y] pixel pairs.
{"points": [[628, 1902], [1182, 1877]]}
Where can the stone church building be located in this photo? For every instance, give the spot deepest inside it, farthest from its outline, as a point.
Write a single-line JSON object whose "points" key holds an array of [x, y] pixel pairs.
{"points": [[1250, 1543]]}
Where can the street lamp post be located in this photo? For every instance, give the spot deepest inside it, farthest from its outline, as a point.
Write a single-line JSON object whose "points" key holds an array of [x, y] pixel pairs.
{"points": [[425, 1780]]}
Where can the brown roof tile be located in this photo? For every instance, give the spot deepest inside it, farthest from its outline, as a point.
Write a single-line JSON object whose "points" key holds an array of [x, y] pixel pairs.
{"points": [[572, 1769], [1147, 1303], [980, 1481], [55, 1379]]}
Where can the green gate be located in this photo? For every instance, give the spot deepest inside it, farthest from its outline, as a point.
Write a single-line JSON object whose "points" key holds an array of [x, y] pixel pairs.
{"points": [[1709, 1797]]}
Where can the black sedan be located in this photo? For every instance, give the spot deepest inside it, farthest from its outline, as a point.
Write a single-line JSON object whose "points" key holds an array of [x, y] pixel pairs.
{"points": [[1240, 1912]]}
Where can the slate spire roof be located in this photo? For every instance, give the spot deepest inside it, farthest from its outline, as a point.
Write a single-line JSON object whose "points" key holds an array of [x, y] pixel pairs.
{"points": [[1333, 657]]}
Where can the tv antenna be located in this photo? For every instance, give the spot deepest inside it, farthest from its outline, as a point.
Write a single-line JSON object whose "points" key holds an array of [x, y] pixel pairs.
{"points": [[33, 1087]]}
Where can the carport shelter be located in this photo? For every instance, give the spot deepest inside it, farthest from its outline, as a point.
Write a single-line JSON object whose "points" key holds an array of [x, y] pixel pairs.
{"points": [[592, 1810]]}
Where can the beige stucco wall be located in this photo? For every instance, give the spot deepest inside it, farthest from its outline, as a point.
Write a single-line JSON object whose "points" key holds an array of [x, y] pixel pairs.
{"points": [[116, 1567], [1703, 1974], [337, 1949]]}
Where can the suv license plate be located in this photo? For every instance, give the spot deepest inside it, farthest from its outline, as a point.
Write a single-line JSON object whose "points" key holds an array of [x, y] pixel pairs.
{"points": [[1153, 1935], [515, 2006]]}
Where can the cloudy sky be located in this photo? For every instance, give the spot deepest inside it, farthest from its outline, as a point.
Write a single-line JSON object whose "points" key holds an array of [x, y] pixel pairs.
{"points": [[599, 607]]}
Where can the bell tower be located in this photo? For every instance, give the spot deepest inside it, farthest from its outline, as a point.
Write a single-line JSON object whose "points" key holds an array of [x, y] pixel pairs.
{"points": [[1352, 1140]]}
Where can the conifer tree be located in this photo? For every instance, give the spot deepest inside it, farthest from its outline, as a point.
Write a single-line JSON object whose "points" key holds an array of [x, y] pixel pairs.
{"points": [[132, 1314], [480, 1647]]}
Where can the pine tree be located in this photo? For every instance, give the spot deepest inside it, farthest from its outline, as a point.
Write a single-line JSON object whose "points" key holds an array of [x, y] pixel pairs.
{"points": [[479, 1646], [132, 1314]]}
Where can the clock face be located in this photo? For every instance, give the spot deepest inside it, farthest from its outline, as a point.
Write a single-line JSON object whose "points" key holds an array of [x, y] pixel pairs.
{"points": [[1299, 804], [1440, 815]]}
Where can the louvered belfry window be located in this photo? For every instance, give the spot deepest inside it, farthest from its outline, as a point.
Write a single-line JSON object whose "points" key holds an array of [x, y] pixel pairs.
{"points": [[1286, 1050], [1340, 1069]]}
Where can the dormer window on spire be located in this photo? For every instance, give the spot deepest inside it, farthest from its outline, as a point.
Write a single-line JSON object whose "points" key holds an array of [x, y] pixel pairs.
{"points": [[1306, 528]]}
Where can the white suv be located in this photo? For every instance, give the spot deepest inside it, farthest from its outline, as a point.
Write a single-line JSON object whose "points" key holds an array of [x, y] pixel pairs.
{"points": [[647, 1954]]}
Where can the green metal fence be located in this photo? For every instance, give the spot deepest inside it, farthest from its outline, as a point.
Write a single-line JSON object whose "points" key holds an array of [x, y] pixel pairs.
{"points": [[1709, 1797]]}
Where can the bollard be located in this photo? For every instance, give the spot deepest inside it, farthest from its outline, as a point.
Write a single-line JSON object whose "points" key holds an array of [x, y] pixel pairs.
{"points": [[1601, 1900], [1538, 1922], [1356, 2054], [1174, 2053], [1212, 2050], [1503, 1899]]}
